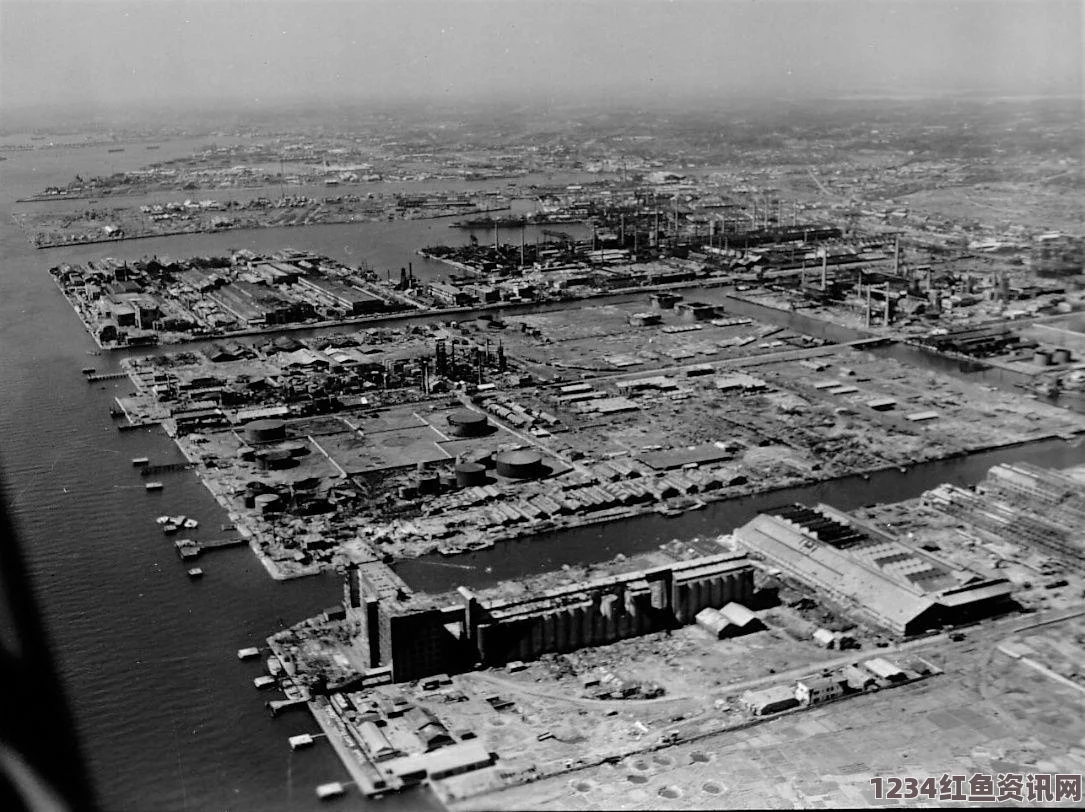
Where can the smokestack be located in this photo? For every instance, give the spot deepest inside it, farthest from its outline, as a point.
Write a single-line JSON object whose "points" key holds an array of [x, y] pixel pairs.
{"points": [[868, 305], [496, 245], [824, 266], [885, 320], [896, 256]]}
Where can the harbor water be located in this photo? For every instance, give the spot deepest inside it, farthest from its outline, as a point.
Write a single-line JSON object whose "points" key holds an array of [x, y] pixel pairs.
{"points": [[166, 713]]}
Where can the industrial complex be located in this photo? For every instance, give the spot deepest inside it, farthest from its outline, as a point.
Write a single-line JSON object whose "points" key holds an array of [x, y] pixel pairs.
{"points": [[667, 462]]}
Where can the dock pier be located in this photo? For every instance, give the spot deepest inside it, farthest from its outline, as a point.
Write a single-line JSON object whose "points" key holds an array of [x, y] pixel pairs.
{"points": [[189, 549], [106, 376], [151, 470]]}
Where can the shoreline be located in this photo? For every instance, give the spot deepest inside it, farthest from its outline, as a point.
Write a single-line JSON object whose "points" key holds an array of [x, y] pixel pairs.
{"points": [[151, 235], [511, 308]]}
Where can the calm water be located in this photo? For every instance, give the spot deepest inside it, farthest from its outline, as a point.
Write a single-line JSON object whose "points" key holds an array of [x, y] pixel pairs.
{"points": [[167, 715]]}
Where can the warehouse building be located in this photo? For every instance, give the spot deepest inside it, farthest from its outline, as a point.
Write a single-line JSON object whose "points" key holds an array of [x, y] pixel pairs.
{"points": [[421, 635], [899, 588]]}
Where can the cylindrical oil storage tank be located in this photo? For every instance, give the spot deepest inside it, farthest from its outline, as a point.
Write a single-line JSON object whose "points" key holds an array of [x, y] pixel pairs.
{"points": [[274, 459], [429, 483], [265, 431], [468, 423], [1060, 356], [295, 449], [522, 463], [469, 474], [1041, 358], [267, 503]]}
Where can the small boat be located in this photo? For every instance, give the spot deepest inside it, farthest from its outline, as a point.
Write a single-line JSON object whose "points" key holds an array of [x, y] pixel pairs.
{"points": [[669, 512], [248, 653], [169, 528], [302, 740], [195, 573], [178, 520], [154, 486], [89, 370], [698, 505], [332, 790], [263, 681], [274, 667], [163, 519], [139, 462], [191, 524], [293, 691]]}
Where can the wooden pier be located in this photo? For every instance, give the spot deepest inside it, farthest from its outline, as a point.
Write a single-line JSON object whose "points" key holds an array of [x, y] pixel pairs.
{"points": [[106, 376], [151, 470]]}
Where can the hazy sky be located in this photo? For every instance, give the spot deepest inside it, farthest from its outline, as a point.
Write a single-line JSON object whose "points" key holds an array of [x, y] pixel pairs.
{"points": [[89, 51]]}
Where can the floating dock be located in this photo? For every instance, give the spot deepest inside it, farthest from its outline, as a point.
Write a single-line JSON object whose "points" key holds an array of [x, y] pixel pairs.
{"points": [[277, 706], [263, 681], [195, 573], [248, 653], [154, 486], [332, 790]]}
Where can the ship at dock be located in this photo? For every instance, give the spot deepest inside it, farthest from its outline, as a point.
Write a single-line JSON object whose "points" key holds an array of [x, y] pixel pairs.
{"points": [[490, 222]]}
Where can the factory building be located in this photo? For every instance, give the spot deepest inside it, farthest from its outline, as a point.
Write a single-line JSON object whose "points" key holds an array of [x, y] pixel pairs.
{"points": [[694, 311], [258, 304], [894, 586], [1028, 505], [423, 635], [351, 300]]}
